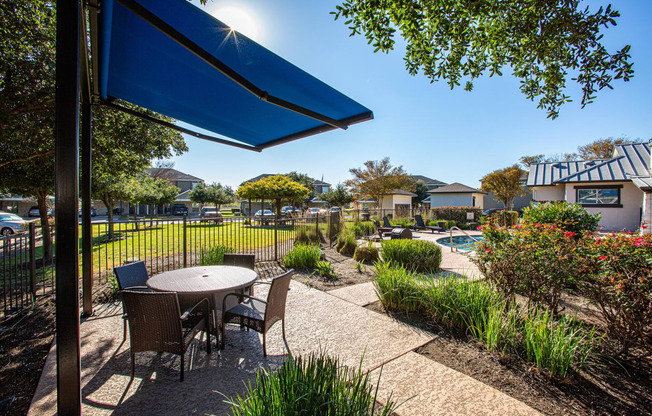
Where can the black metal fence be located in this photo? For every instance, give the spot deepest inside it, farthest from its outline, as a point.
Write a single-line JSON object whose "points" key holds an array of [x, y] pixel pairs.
{"points": [[165, 244], [25, 270]]}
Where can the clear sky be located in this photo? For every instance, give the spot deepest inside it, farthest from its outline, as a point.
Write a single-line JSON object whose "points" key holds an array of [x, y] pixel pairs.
{"points": [[449, 135]]}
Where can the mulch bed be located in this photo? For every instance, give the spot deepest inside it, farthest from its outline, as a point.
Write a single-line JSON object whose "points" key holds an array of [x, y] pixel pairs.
{"points": [[605, 387], [25, 340]]}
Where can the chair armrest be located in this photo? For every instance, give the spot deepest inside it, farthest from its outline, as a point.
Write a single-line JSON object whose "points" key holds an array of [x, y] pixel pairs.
{"points": [[261, 283], [138, 288], [240, 295], [191, 309]]}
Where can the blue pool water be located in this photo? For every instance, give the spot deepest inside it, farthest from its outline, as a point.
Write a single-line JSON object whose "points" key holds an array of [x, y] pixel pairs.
{"points": [[461, 242]]}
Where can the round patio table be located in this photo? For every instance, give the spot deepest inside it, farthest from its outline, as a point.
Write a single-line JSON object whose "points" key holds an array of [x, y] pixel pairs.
{"points": [[192, 284]]}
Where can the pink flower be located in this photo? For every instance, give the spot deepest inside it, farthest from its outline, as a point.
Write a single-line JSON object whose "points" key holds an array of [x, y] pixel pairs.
{"points": [[603, 257], [639, 242], [644, 226], [479, 227], [569, 234], [488, 250]]}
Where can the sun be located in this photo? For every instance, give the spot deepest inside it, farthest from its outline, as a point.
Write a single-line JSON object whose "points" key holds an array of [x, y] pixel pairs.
{"points": [[239, 20]]}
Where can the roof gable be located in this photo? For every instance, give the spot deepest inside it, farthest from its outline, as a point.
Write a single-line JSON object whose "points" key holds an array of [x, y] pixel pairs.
{"points": [[172, 175], [456, 188]]}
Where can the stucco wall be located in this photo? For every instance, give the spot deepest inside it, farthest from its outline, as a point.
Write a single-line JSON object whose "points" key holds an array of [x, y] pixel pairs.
{"points": [[389, 201], [548, 193], [615, 219], [450, 200], [521, 202]]}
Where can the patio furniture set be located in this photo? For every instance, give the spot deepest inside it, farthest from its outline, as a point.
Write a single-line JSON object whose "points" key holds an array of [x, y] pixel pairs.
{"points": [[211, 296], [399, 232]]}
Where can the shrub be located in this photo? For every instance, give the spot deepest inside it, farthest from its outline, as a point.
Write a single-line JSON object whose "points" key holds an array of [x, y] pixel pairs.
{"points": [[302, 256], [403, 222], [568, 217], [503, 218], [363, 228], [347, 243], [368, 254], [325, 269], [415, 255], [449, 223], [537, 261], [397, 288], [557, 345], [457, 214], [307, 234], [617, 276], [214, 255], [317, 385]]}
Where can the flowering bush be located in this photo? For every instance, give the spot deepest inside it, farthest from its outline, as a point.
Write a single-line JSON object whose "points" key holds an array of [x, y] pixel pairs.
{"points": [[535, 260], [617, 276], [569, 217], [457, 214]]}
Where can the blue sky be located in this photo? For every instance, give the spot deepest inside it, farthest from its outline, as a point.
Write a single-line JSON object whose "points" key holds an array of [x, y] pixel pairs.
{"points": [[449, 135]]}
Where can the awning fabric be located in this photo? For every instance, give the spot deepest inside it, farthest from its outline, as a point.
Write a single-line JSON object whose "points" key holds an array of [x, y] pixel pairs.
{"points": [[140, 64]]}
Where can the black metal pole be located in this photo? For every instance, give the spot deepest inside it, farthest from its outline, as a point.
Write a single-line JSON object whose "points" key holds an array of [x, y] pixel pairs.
{"points": [[67, 194], [87, 227]]}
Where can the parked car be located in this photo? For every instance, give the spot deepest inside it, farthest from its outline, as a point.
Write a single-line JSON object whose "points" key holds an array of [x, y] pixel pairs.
{"points": [[335, 209], [11, 224], [492, 211], [289, 210], [34, 212], [179, 209], [313, 212], [211, 214], [265, 216]]}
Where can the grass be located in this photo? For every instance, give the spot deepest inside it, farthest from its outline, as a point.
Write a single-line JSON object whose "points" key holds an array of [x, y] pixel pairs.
{"points": [[316, 385], [325, 270], [303, 256], [214, 255]]}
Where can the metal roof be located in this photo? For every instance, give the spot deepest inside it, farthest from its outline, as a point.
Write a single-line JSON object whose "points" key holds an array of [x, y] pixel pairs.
{"points": [[630, 162], [546, 174]]}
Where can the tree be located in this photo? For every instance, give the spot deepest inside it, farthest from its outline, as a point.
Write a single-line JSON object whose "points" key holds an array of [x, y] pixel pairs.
{"points": [[459, 41], [528, 161], [602, 148], [200, 194], [277, 187], [338, 196], [145, 190], [377, 179], [220, 194], [302, 179], [421, 189], [506, 184]]}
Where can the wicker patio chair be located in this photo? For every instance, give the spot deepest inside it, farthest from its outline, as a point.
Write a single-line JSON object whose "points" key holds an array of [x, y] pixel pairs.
{"points": [[242, 260], [156, 323], [130, 276], [259, 314]]}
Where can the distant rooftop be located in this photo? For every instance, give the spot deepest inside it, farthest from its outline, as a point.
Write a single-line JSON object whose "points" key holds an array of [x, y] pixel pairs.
{"points": [[172, 175], [456, 188], [431, 183]]}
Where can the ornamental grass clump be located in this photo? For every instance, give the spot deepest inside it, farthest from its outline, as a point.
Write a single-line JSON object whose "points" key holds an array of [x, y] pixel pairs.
{"points": [[398, 288], [316, 385], [367, 254], [214, 255], [325, 270], [346, 243], [307, 234], [302, 256], [557, 345], [415, 255]]}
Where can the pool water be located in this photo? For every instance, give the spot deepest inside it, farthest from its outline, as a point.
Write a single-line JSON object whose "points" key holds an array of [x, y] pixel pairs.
{"points": [[461, 242]]}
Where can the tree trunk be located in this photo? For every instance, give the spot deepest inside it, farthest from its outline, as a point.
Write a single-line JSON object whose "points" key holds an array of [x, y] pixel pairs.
{"points": [[109, 203], [278, 207], [41, 197]]}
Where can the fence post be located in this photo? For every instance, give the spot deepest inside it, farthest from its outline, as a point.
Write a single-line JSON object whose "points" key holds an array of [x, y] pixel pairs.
{"points": [[32, 259], [276, 238], [185, 249], [317, 225]]}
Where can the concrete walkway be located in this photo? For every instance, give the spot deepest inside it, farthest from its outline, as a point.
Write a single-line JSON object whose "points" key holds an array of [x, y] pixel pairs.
{"points": [[316, 321]]}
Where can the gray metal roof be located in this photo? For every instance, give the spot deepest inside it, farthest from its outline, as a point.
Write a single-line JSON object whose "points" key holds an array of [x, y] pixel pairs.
{"points": [[546, 174], [630, 162]]}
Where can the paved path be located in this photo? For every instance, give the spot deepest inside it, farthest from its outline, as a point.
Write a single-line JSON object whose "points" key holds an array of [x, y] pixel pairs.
{"points": [[316, 321]]}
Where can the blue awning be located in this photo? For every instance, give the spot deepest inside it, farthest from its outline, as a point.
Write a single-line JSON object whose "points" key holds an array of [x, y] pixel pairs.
{"points": [[173, 58]]}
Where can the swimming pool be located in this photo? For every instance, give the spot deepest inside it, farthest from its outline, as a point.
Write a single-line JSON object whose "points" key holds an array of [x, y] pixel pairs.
{"points": [[461, 242]]}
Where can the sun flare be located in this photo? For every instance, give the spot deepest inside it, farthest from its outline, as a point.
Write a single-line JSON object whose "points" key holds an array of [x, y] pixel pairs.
{"points": [[238, 20]]}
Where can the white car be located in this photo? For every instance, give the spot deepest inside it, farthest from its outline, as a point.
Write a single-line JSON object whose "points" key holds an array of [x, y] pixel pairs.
{"points": [[11, 224], [313, 212]]}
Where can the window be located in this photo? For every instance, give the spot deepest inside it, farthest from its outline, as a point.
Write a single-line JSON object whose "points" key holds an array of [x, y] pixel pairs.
{"points": [[607, 196]]}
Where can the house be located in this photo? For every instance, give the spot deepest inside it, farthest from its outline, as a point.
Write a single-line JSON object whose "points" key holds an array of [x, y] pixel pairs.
{"points": [[429, 182], [619, 188], [491, 202], [397, 200], [456, 195]]}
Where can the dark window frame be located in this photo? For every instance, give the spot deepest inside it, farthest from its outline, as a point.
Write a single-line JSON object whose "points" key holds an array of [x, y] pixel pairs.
{"points": [[596, 187]]}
